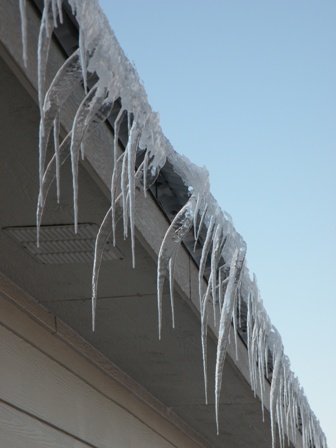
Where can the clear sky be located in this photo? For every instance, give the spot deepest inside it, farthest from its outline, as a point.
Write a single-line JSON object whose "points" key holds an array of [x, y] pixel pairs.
{"points": [[248, 88]]}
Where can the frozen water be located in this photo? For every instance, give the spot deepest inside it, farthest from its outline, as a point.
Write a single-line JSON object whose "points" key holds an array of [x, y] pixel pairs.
{"points": [[100, 54]]}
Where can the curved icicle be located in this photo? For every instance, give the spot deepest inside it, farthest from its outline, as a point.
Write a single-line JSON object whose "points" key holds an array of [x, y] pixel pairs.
{"points": [[59, 90], [84, 115], [225, 322], [102, 236], [176, 232]]}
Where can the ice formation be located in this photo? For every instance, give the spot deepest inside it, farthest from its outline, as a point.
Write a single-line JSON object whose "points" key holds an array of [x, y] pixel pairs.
{"points": [[228, 286]]}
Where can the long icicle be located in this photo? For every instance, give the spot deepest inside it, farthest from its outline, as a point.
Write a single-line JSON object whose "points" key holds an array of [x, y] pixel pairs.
{"points": [[44, 40], [103, 234], [177, 230], [116, 173], [48, 178], [84, 115], [200, 225], [275, 385], [204, 256], [135, 135], [225, 322], [204, 334], [61, 87]]}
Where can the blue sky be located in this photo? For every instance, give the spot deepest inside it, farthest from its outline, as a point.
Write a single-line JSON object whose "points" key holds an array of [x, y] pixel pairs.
{"points": [[248, 89]]}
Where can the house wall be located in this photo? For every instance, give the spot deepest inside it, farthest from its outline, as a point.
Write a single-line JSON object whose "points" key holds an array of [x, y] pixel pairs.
{"points": [[57, 391]]}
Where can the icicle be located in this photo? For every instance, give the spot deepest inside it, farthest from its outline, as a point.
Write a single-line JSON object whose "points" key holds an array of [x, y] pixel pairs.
{"points": [[215, 255], [204, 333], [171, 284], [235, 330], [173, 237], [116, 174], [83, 58], [57, 160], [54, 12], [275, 385], [239, 306], [44, 40], [204, 256], [145, 171], [124, 183], [84, 115], [48, 178], [60, 10], [23, 15], [60, 89], [261, 365], [225, 322], [102, 237], [196, 215], [134, 142], [200, 226]]}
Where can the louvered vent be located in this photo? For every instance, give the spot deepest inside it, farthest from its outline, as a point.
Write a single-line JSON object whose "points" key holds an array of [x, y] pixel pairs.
{"points": [[60, 244]]}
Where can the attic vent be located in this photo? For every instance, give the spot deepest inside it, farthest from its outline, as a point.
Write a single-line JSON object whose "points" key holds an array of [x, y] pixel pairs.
{"points": [[60, 244]]}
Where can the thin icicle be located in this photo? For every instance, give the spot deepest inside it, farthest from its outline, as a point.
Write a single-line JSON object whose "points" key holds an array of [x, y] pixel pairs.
{"points": [[171, 285], [217, 246], [204, 333], [235, 330], [225, 322], [134, 142], [177, 230], [145, 171], [57, 157], [239, 305], [83, 58], [44, 40], [54, 12], [275, 385], [63, 84], [200, 226], [196, 215], [48, 178], [124, 184], [204, 256], [84, 115], [116, 173], [60, 10], [23, 15], [101, 239]]}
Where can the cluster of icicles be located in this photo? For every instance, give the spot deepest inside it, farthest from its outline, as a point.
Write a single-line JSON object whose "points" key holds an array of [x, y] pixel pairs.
{"points": [[229, 283]]}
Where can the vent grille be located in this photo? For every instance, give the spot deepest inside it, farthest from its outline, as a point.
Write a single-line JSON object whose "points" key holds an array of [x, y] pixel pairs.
{"points": [[60, 244]]}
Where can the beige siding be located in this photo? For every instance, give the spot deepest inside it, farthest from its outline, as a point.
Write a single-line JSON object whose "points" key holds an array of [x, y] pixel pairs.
{"points": [[51, 395]]}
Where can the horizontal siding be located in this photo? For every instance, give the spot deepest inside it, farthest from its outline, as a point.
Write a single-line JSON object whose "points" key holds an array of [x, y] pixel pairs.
{"points": [[51, 391], [19, 430]]}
